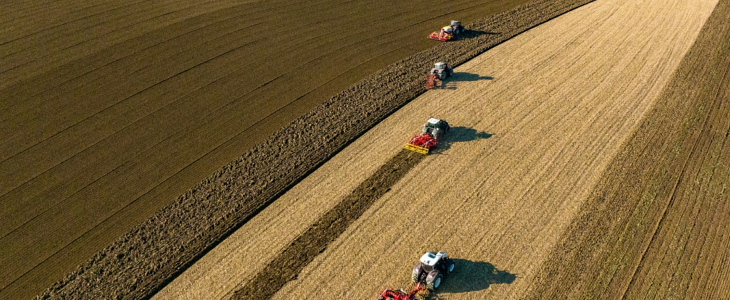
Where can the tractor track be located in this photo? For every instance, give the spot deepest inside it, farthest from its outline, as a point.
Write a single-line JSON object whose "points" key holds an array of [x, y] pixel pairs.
{"points": [[290, 262], [180, 233]]}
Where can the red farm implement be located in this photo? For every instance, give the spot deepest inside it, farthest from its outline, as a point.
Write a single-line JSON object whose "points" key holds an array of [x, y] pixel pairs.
{"points": [[389, 294]]}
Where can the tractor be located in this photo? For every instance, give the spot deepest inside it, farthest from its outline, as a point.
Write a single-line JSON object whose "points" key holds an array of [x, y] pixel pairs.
{"points": [[440, 71], [448, 33], [432, 269], [389, 294], [432, 131]]}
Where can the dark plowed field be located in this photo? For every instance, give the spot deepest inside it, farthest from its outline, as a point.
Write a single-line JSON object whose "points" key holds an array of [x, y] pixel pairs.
{"points": [[143, 260], [656, 227], [109, 110]]}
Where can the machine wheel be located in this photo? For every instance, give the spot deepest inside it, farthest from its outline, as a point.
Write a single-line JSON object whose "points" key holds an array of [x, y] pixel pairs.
{"points": [[450, 265], [416, 274], [433, 281], [437, 133], [442, 76]]}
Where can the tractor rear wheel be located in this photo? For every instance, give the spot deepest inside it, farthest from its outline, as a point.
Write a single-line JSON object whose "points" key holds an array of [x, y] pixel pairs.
{"points": [[416, 274], [433, 281], [450, 266]]}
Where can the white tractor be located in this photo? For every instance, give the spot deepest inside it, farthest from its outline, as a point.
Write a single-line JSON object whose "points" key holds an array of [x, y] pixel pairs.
{"points": [[432, 269]]}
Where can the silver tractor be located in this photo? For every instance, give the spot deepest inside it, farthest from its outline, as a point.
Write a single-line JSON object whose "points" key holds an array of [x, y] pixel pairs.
{"points": [[432, 269], [442, 70]]}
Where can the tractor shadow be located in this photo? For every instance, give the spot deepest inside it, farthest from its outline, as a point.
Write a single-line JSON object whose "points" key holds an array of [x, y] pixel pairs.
{"points": [[470, 34], [453, 82], [470, 276], [460, 134]]}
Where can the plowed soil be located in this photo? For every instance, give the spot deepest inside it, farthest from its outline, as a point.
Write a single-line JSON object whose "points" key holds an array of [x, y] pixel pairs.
{"points": [[111, 109], [143, 260], [656, 227], [537, 121]]}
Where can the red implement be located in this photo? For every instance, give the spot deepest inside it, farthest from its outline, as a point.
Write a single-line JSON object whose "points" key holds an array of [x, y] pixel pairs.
{"points": [[440, 36], [422, 143], [389, 294], [431, 81]]}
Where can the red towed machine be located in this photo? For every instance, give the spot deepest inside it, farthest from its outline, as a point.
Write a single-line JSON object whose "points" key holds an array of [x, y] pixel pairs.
{"points": [[433, 130], [389, 294]]}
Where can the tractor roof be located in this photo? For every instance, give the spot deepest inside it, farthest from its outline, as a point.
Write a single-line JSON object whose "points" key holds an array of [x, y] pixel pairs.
{"points": [[431, 258], [433, 121]]}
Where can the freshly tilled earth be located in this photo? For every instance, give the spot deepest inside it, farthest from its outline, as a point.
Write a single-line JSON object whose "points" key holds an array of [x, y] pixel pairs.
{"points": [[143, 260]]}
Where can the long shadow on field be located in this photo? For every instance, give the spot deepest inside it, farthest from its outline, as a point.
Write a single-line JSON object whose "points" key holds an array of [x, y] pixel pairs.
{"points": [[451, 83], [460, 134], [470, 34], [470, 276]]}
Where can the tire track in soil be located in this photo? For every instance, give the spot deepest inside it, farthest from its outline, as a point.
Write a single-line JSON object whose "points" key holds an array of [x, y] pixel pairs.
{"points": [[290, 262], [153, 253]]}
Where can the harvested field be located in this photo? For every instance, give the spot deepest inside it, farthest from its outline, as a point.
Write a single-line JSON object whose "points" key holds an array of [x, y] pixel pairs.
{"points": [[657, 225], [144, 259], [287, 265], [110, 110], [556, 102]]}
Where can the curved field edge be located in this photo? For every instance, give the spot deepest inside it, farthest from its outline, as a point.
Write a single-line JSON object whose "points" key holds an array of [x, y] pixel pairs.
{"points": [[142, 261], [656, 225]]}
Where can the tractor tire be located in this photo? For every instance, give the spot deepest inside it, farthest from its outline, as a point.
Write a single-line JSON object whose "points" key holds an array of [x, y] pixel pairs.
{"points": [[416, 274], [450, 266], [433, 281], [442, 75]]}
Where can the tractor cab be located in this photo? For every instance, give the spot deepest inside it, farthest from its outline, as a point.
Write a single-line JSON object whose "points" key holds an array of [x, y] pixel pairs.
{"points": [[436, 128], [430, 260], [440, 66]]}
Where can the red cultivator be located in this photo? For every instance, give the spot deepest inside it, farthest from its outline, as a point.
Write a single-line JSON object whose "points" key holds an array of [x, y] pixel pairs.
{"points": [[441, 36], [389, 294], [422, 143], [431, 81], [447, 33]]}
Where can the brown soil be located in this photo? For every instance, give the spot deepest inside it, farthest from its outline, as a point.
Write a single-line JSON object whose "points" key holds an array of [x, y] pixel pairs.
{"points": [[111, 109], [656, 226], [287, 265], [557, 102], [143, 260]]}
